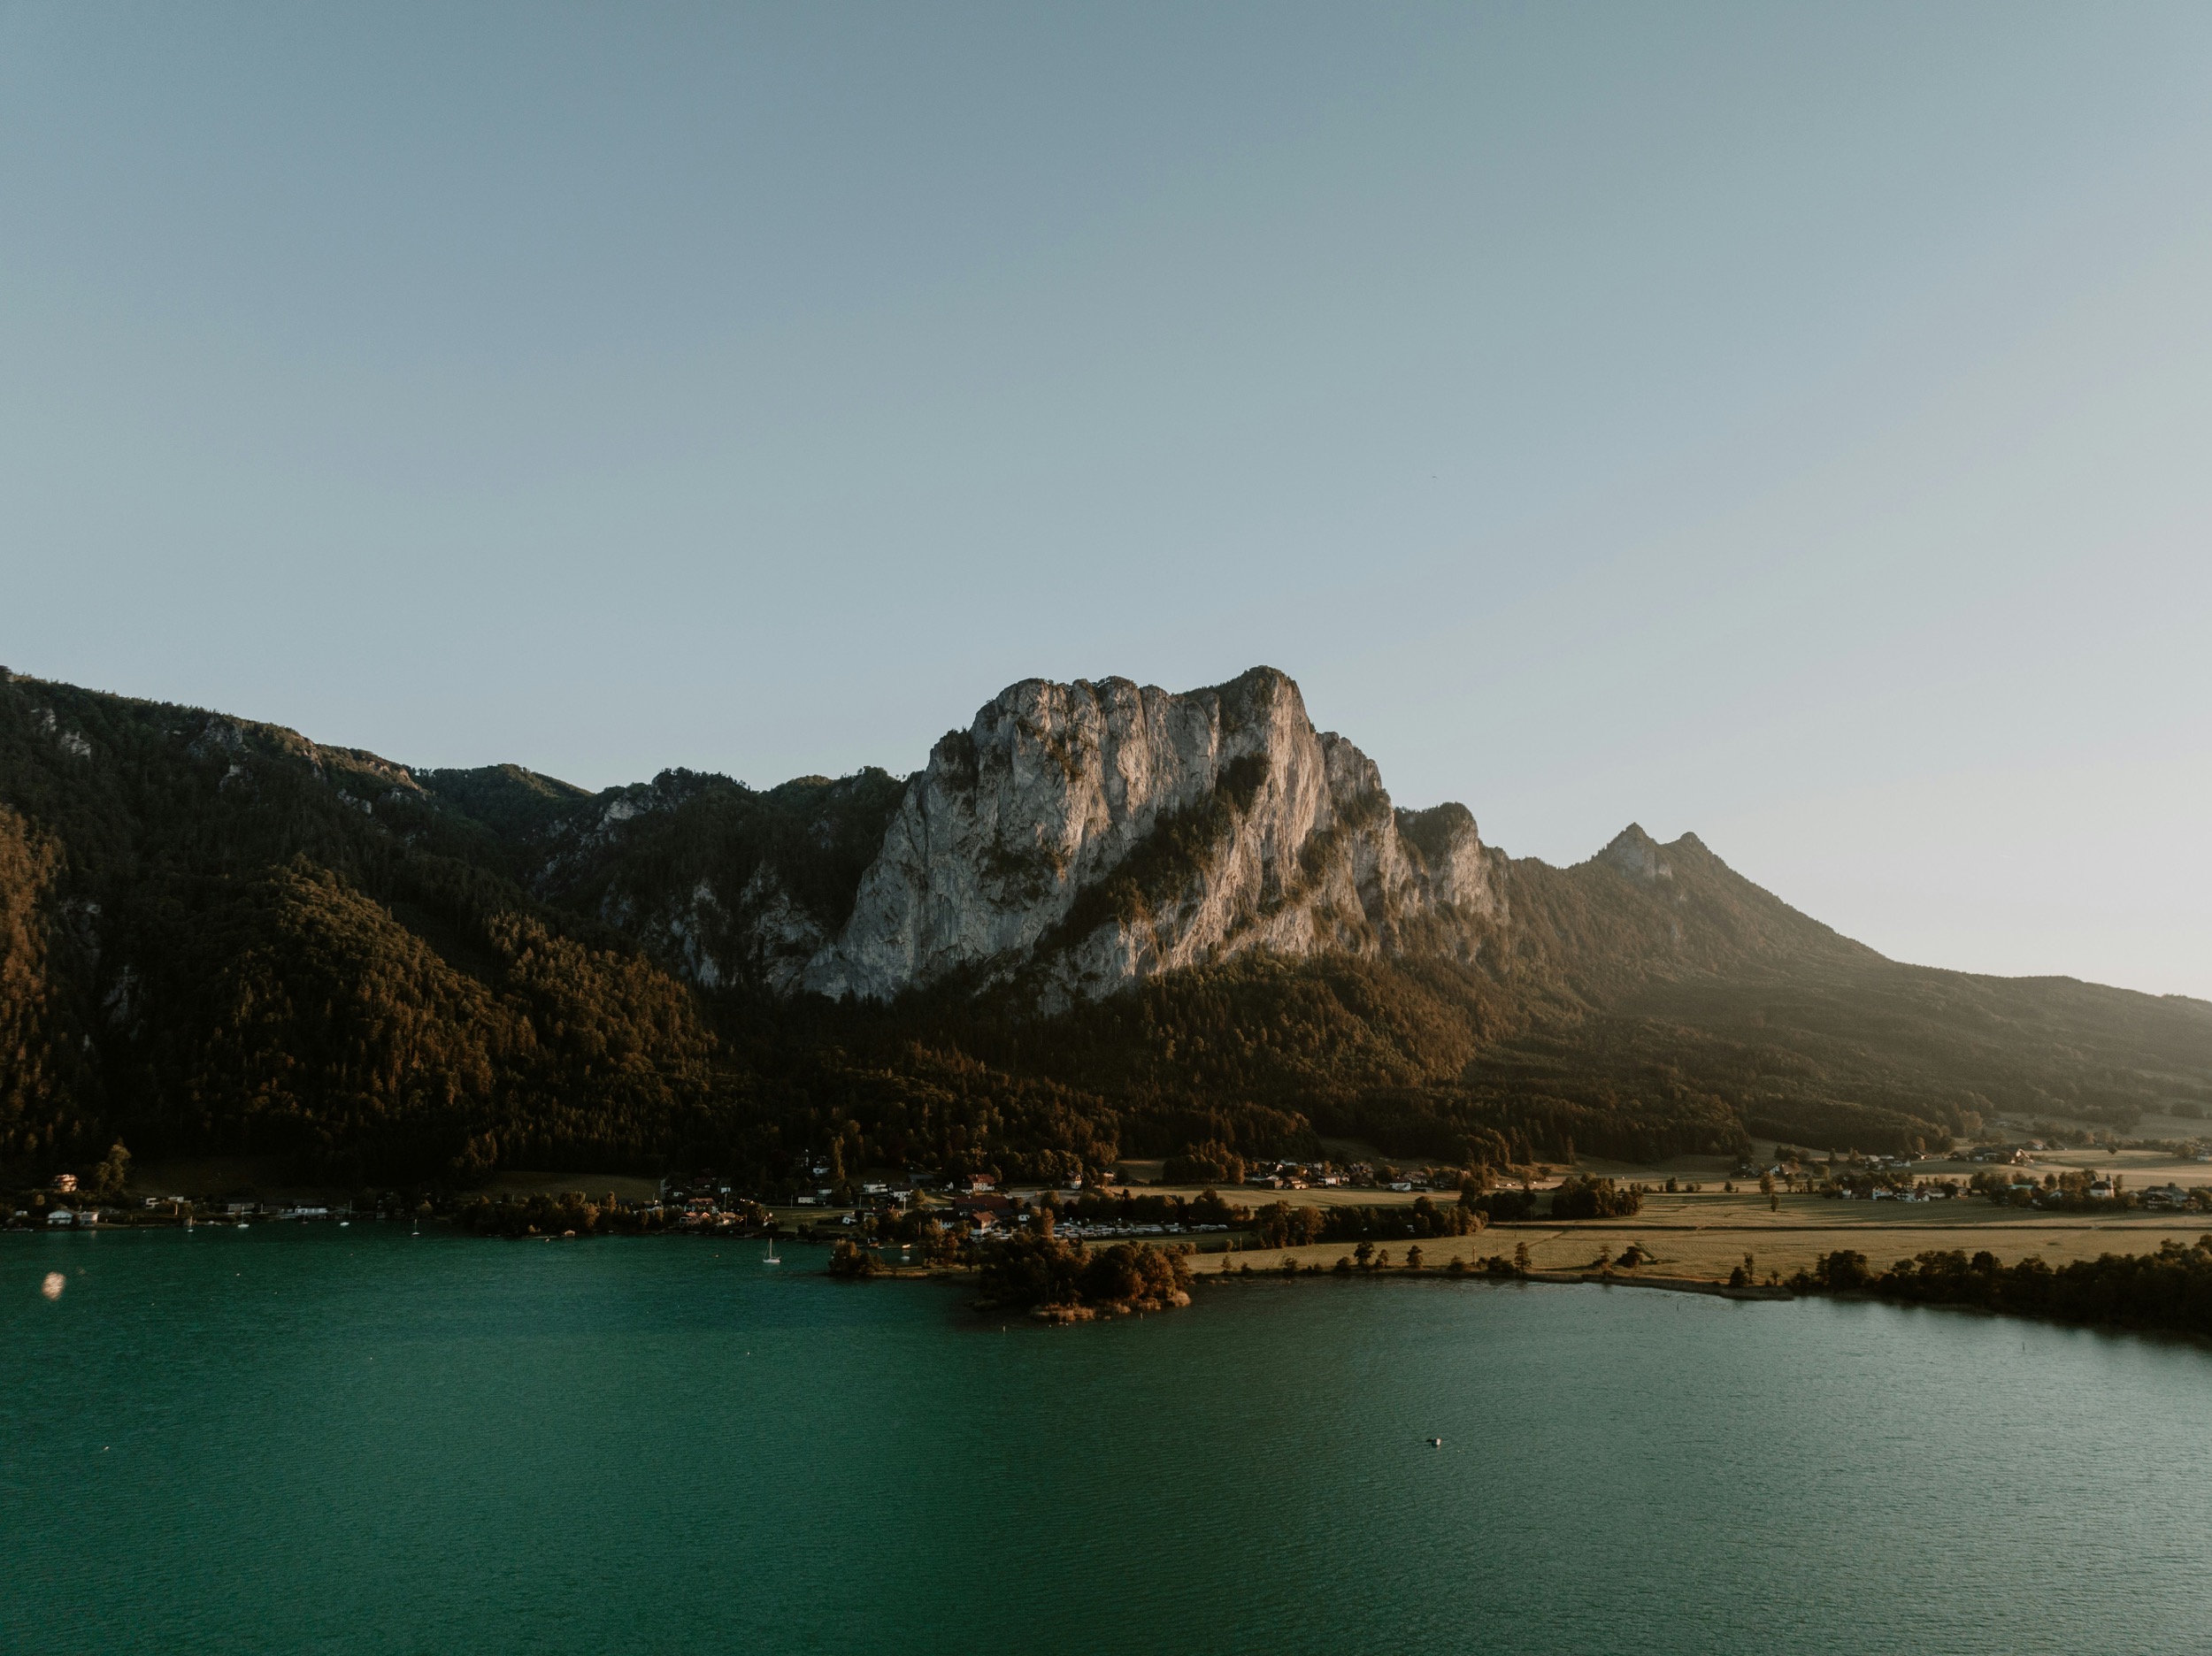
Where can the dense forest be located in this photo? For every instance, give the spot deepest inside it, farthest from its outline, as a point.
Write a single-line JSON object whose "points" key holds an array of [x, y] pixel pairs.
{"points": [[2171, 1290], [218, 936]]}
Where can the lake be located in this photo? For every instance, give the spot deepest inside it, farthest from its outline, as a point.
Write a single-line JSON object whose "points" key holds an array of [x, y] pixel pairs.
{"points": [[303, 1438]]}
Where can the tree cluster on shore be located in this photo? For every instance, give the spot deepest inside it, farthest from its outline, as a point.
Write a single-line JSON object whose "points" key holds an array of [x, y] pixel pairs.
{"points": [[1069, 1281], [925, 1238], [2169, 1289], [851, 1261]]}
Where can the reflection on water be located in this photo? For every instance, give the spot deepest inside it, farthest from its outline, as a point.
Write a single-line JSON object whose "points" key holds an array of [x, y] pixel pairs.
{"points": [[319, 1440]]}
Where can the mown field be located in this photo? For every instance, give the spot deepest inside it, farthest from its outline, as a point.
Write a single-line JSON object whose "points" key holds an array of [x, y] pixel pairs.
{"points": [[1707, 1235]]}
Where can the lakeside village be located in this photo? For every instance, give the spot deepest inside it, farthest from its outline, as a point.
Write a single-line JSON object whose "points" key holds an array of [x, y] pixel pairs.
{"points": [[925, 1217]]}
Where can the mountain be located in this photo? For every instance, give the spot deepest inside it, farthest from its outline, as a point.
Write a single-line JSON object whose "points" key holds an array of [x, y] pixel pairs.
{"points": [[1102, 920], [1079, 837]]}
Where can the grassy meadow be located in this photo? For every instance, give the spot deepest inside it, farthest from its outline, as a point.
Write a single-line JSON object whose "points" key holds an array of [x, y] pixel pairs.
{"points": [[1706, 1234]]}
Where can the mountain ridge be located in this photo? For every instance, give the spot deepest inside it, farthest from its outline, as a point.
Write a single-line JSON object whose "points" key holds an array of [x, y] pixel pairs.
{"points": [[1102, 920]]}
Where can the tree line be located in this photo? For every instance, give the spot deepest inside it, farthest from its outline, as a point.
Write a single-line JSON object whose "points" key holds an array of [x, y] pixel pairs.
{"points": [[1031, 1271], [2169, 1289], [1288, 1225]]}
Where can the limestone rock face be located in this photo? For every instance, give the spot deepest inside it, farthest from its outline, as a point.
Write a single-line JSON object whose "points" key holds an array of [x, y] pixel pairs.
{"points": [[1093, 833], [1637, 855]]}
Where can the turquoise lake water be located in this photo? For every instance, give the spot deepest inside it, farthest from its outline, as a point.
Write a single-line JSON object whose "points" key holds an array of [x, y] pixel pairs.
{"points": [[309, 1440]]}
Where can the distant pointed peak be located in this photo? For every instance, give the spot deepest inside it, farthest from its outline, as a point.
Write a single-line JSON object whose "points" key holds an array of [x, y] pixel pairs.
{"points": [[1636, 853]]}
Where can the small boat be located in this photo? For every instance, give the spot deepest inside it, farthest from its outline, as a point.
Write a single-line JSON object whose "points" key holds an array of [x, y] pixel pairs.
{"points": [[1436, 1442], [769, 1258], [241, 1224]]}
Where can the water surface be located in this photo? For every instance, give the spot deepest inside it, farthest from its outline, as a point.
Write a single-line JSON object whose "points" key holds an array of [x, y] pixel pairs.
{"points": [[310, 1439]]}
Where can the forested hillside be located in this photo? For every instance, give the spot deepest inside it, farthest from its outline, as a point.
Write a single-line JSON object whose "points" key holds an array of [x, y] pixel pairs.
{"points": [[220, 935]]}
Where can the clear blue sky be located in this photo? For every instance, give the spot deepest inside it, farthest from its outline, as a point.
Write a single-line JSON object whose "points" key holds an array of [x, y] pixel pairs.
{"points": [[1791, 424]]}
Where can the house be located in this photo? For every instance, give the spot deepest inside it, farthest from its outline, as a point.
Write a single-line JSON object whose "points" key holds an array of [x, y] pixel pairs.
{"points": [[2165, 1196], [978, 1182], [61, 1215]]}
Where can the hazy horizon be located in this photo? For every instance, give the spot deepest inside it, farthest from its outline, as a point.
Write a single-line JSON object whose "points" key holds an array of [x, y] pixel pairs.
{"points": [[1784, 426]]}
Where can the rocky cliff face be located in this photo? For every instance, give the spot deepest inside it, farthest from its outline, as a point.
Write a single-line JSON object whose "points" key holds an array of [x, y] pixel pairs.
{"points": [[726, 885], [1091, 834]]}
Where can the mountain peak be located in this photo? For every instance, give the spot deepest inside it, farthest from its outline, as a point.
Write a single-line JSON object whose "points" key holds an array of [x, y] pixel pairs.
{"points": [[1106, 830], [1637, 855]]}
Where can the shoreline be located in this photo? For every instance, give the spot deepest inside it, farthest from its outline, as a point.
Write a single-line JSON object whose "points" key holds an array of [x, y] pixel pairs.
{"points": [[1586, 1277], [1562, 1278]]}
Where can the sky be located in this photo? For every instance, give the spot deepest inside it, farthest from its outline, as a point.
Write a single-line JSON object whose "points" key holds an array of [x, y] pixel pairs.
{"points": [[1790, 424]]}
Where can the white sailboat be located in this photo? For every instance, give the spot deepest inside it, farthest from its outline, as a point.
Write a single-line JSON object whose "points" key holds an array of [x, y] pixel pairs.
{"points": [[769, 1258]]}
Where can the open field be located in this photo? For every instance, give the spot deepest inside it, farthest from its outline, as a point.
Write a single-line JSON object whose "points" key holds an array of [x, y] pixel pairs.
{"points": [[1706, 1236], [2141, 1167], [1706, 1233]]}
